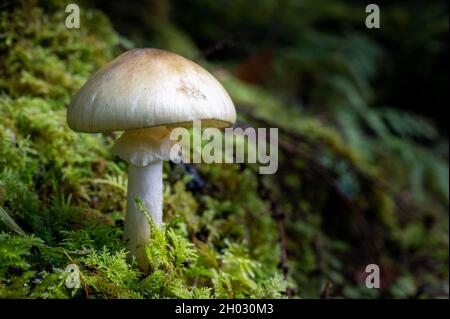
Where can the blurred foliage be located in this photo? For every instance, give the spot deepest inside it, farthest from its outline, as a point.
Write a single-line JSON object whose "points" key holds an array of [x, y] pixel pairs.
{"points": [[363, 175]]}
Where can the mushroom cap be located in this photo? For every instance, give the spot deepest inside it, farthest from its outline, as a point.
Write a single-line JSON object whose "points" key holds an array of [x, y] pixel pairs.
{"points": [[145, 88]]}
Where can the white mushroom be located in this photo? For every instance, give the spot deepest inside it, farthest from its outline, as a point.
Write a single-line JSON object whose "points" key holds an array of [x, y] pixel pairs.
{"points": [[145, 93]]}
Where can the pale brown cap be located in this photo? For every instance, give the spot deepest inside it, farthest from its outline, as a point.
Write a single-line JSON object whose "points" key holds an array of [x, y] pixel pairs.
{"points": [[146, 88]]}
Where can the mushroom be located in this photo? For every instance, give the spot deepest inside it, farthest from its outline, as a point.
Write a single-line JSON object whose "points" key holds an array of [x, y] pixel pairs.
{"points": [[146, 93]]}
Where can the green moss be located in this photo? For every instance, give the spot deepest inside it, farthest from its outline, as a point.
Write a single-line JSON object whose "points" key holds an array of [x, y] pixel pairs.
{"points": [[66, 190]]}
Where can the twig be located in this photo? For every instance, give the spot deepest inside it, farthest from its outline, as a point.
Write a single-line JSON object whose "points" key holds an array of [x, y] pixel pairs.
{"points": [[298, 137], [229, 42], [326, 290], [292, 148]]}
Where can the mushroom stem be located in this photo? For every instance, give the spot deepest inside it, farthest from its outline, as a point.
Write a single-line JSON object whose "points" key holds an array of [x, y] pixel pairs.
{"points": [[145, 183], [144, 150]]}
